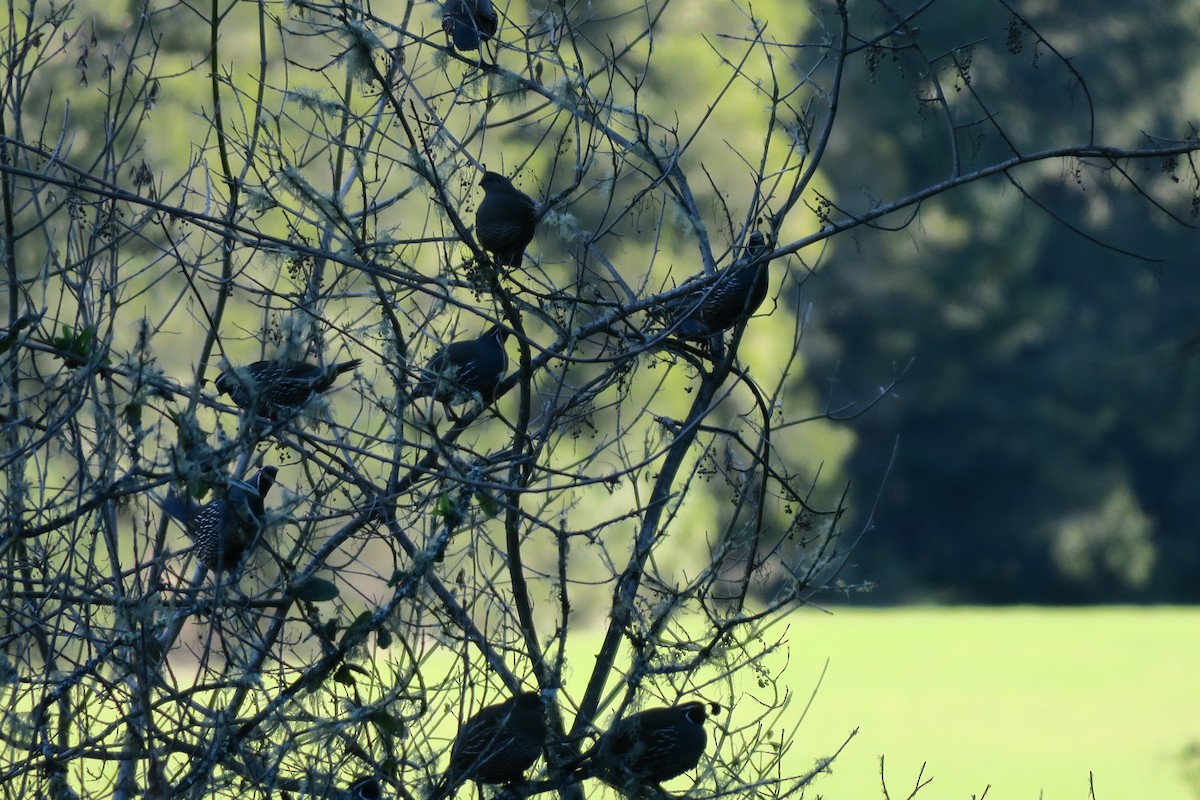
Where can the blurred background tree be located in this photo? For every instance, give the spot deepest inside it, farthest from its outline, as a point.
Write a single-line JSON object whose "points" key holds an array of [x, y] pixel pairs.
{"points": [[1045, 331]]}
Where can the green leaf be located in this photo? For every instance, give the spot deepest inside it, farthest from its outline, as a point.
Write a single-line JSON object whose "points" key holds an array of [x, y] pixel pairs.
{"points": [[314, 590], [329, 629], [83, 342], [10, 336], [63, 342], [76, 347], [358, 628], [487, 504], [445, 505], [387, 724]]}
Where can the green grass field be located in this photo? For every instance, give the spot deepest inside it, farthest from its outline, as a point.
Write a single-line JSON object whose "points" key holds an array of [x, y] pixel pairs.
{"points": [[1022, 702]]}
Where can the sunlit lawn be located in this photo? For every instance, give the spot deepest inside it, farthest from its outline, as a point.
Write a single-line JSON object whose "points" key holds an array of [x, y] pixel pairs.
{"points": [[1027, 701], [1024, 703]]}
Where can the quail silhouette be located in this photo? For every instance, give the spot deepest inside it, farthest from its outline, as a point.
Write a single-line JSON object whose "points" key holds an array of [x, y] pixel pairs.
{"points": [[272, 386], [469, 23], [505, 220], [224, 527], [650, 747], [497, 745], [732, 297], [463, 369]]}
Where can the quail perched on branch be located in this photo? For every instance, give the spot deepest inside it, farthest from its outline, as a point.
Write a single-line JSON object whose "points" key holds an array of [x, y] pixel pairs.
{"points": [[463, 369], [272, 386], [732, 297], [497, 745], [505, 220], [650, 746], [224, 527], [469, 23]]}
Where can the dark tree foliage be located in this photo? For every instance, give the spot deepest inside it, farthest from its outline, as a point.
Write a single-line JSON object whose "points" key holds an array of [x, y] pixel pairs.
{"points": [[1041, 323]]}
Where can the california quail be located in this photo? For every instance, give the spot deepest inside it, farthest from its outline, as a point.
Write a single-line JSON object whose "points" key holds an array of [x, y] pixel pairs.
{"points": [[276, 385], [732, 297], [496, 745], [505, 220], [463, 369], [469, 23], [651, 746], [224, 527]]}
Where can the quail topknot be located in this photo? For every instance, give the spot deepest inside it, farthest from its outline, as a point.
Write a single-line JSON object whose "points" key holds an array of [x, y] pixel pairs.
{"points": [[651, 746], [732, 297], [463, 369], [271, 386], [224, 527], [469, 23], [505, 220], [497, 745]]}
